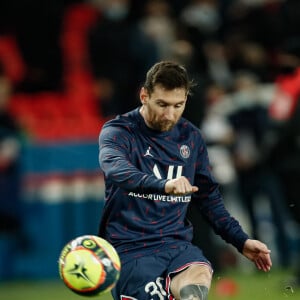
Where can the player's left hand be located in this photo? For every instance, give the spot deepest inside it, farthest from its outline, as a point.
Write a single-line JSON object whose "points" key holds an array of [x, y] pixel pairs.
{"points": [[259, 253]]}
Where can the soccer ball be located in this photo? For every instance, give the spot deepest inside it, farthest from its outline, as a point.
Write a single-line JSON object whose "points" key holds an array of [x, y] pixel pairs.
{"points": [[89, 265]]}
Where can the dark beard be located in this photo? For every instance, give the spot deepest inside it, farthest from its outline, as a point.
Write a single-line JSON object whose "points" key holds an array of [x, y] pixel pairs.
{"points": [[163, 126]]}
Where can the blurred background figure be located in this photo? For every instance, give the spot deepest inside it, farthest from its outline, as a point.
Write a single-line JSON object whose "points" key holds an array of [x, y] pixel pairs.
{"points": [[120, 52], [284, 156], [10, 155], [158, 24], [260, 189], [202, 19], [10, 147]]}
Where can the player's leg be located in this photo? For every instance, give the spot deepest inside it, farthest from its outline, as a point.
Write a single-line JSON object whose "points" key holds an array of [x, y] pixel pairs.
{"points": [[141, 278], [193, 283], [189, 274]]}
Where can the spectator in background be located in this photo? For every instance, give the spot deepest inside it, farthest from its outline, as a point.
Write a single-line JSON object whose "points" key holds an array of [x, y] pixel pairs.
{"points": [[218, 135], [202, 19], [157, 24], [246, 110], [217, 63], [9, 180], [119, 55], [238, 130], [284, 156], [285, 160], [9, 161], [184, 52]]}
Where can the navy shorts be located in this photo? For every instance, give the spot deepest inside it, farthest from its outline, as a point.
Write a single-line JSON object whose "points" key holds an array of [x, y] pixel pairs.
{"points": [[148, 277]]}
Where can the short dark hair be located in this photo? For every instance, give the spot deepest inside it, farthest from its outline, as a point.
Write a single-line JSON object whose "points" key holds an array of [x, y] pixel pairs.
{"points": [[168, 74]]}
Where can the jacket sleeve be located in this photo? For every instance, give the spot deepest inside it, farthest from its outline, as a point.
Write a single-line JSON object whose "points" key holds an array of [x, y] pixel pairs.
{"points": [[211, 205], [114, 158]]}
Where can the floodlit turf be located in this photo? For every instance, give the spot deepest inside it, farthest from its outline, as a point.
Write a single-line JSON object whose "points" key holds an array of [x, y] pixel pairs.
{"points": [[274, 285], [232, 285]]}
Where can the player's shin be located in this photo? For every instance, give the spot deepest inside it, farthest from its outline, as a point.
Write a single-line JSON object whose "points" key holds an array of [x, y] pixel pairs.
{"points": [[194, 292]]}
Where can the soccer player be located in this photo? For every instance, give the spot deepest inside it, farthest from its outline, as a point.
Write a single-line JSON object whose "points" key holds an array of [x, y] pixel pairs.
{"points": [[155, 163]]}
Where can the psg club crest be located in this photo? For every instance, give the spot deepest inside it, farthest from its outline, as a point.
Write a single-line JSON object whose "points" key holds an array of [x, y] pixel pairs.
{"points": [[185, 151]]}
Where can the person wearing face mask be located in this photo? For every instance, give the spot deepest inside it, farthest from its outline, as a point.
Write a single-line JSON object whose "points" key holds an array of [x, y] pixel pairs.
{"points": [[116, 41]]}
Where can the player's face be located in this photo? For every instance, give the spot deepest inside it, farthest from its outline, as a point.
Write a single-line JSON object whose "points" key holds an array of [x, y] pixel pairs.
{"points": [[163, 108]]}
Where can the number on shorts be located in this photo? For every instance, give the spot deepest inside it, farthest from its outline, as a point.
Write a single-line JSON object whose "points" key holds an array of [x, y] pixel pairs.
{"points": [[156, 288]]}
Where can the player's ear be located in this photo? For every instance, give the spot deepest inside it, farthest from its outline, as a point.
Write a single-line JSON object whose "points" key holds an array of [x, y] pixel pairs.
{"points": [[143, 95]]}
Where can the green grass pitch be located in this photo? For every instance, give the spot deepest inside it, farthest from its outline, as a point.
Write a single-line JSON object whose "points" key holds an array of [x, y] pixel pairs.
{"points": [[231, 285]]}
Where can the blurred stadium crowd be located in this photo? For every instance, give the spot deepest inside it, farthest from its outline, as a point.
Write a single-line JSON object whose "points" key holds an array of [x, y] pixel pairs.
{"points": [[67, 66]]}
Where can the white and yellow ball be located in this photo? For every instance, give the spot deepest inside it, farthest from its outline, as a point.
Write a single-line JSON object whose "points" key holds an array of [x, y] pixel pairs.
{"points": [[89, 265]]}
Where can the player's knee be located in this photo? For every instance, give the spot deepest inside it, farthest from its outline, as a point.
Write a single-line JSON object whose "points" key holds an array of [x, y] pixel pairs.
{"points": [[198, 274], [193, 292], [194, 276], [205, 276]]}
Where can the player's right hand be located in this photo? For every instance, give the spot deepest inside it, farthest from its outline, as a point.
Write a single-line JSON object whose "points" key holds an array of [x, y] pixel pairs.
{"points": [[179, 186]]}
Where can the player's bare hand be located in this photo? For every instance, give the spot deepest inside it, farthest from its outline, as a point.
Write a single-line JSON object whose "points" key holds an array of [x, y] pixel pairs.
{"points": [[259, 253], [179, 186]]}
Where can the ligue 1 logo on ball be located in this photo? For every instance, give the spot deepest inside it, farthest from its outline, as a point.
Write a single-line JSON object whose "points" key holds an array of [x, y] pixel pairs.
{"points": [[185, 151], [89, 265]]}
